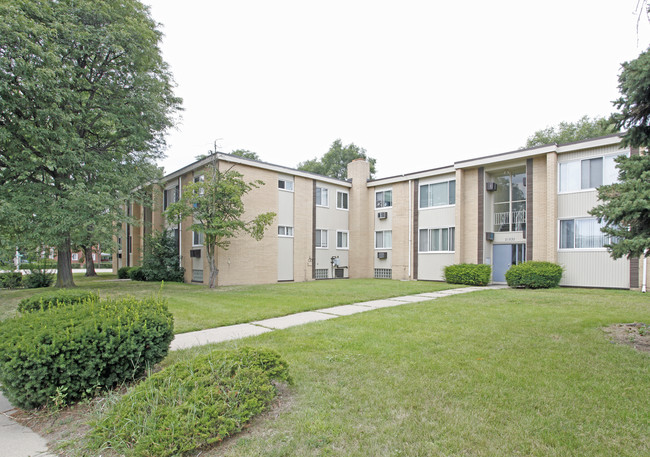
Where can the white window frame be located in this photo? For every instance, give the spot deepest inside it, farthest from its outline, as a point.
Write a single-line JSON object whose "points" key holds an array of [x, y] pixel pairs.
{"points": [[326, 238], [347, 200], [287, 185], [451, 240], [200, 238], [390, 238], [74, 256], [383, 199], [324, 191], [347, 239], [606, 238], [577, 163], [285, 231], [430, 196]]}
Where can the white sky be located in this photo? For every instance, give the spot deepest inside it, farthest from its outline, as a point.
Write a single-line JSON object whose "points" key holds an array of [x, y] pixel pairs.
{"points": [[419, 84]]}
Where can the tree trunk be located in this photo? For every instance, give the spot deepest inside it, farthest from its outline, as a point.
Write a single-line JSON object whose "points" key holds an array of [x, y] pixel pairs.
{"points": [[213, 268], [64, 265], [90, 265]]}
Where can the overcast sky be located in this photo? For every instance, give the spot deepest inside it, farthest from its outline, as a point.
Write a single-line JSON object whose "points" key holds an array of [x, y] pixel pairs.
{"points": [[418, 84]]}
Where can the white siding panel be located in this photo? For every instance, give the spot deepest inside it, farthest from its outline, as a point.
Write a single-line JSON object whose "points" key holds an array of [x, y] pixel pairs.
{"points": [[576, 204], [437, 217], [594, 152], [285, 259], [285, 208], [594, 269], [431, 266]]}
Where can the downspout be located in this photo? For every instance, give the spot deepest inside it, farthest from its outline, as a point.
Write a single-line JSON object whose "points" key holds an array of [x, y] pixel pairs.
{"points": [[645, 269], [410, 226]]}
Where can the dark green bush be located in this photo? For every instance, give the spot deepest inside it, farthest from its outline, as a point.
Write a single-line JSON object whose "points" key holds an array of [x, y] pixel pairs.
{"points": [[160, 262], [69, 352], [38, 278], [123, 273], [11, 280], [534, 275], [468, 273], [191, 404], [47, 300], [137, 274]]}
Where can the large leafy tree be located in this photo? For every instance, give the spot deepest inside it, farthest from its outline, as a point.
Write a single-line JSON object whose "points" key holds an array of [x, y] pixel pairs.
{"points": [[625, 206], [85, 98], [217, 210], [567, 132], [246, 154], [335, 161]]}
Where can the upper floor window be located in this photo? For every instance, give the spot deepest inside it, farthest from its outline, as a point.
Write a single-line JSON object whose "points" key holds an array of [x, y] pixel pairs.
{"points": [[170, 196], [284, 230], [588, 173], [341, 200], [285, 184], [509, 200], [384, 199], [322, 197], [321, 238], [582, 234], [384, 239], [197, 238], [438, 194], [437, 240], [342, 239]]}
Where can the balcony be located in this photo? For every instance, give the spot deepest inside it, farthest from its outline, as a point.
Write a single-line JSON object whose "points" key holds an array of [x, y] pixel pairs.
{"points": [[503, 222]]}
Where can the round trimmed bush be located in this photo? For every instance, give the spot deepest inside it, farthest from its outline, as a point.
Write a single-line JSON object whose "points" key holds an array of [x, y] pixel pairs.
{"points": [[468, 273], [534, 275], [76, 350], [11, 280], [137, 274], [123, 273], [48, 300]]}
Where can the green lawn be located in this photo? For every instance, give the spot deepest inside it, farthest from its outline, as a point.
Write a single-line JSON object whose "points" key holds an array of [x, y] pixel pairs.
{"points": [[490, 373], [197, 307]]}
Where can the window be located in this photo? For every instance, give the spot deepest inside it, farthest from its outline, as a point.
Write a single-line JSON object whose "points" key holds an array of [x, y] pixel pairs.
{"points": [[383, 273], [94, 257], [284, 230], [384, 239], [582, 234], [384, 199], [321, 238], [588, 173], [341, 200], [170, 196], [322, 197], [321, 273], [197, 238], [510, 202], [75, 256], [438, 194], [437, 240], [285, 184], [342, 239]]}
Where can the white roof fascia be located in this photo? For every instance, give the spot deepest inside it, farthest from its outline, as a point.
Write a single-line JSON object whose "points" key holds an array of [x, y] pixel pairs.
{"points": [[256, 164], [597, 143], [410, 176]]}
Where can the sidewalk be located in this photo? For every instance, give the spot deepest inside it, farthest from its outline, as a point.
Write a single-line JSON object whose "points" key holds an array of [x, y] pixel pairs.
{"points": [[19, 441]]}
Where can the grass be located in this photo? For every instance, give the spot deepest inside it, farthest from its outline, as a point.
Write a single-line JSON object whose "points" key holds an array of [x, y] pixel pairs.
{"points": [[197, 307], [496, 372]]}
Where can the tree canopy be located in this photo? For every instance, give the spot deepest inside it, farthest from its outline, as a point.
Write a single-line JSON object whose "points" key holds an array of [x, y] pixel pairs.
{"points": [[246, 154], [216, 207], [568, 132], [85, 99], [335, 161]]}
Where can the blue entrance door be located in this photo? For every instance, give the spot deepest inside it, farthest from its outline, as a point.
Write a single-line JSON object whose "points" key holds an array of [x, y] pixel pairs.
{"points": [[506, 255]]}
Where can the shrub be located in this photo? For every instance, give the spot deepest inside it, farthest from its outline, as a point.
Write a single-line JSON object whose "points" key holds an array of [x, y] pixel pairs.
{"points": [[534, 275], [468, 273], [76, 350], [191, 404], [38, 278], [137, 274], [160, 261], [11, 280], [48, 300], [123, 273]]}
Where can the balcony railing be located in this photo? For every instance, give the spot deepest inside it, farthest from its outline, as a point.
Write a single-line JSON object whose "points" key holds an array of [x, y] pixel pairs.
{"points": [[502, 221]]}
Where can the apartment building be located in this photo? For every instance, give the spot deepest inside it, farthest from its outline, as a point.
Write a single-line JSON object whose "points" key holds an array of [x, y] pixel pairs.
{"points": [[503, 209]]}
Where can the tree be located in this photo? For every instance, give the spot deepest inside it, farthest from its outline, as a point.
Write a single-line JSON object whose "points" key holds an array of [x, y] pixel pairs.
{"points": [[625, 206], [335, 161], [216, 208], [246, 154], [568, 132], [85, 99]]}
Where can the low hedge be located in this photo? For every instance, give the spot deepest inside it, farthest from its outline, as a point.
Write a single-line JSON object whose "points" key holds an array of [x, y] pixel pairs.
{"points": [[65, 353], [11, 280], [191, 404], [37, 279], [534, 275], [123, 273], [137, 274], [48, 300], [468, 273]]}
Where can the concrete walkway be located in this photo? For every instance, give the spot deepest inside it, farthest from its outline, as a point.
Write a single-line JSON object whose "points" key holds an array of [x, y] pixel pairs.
{"points": [[19, 441]]}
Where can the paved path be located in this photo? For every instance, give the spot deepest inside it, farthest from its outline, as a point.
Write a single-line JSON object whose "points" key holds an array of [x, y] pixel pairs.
{"points": [[19, 441]]}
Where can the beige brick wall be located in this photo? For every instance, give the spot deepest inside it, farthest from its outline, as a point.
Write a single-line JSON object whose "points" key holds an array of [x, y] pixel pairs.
{"points": [[540, 215], [400, 228], [186, 232], [551, 207], [361, 221], [303, 228], [466, 215]]}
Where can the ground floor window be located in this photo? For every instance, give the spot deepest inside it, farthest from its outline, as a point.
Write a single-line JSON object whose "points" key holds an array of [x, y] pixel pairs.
{"points": [[383, 273], [582, 234], [321, 238], [437, 240], [197, 275], [384, 239], [341, 240], [321, 273]]}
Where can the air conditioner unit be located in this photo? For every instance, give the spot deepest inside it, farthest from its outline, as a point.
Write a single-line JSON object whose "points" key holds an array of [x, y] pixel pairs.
{"points": [[490, 186], [195, 253], [382, 255], [489, 236], [382, 214]]}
